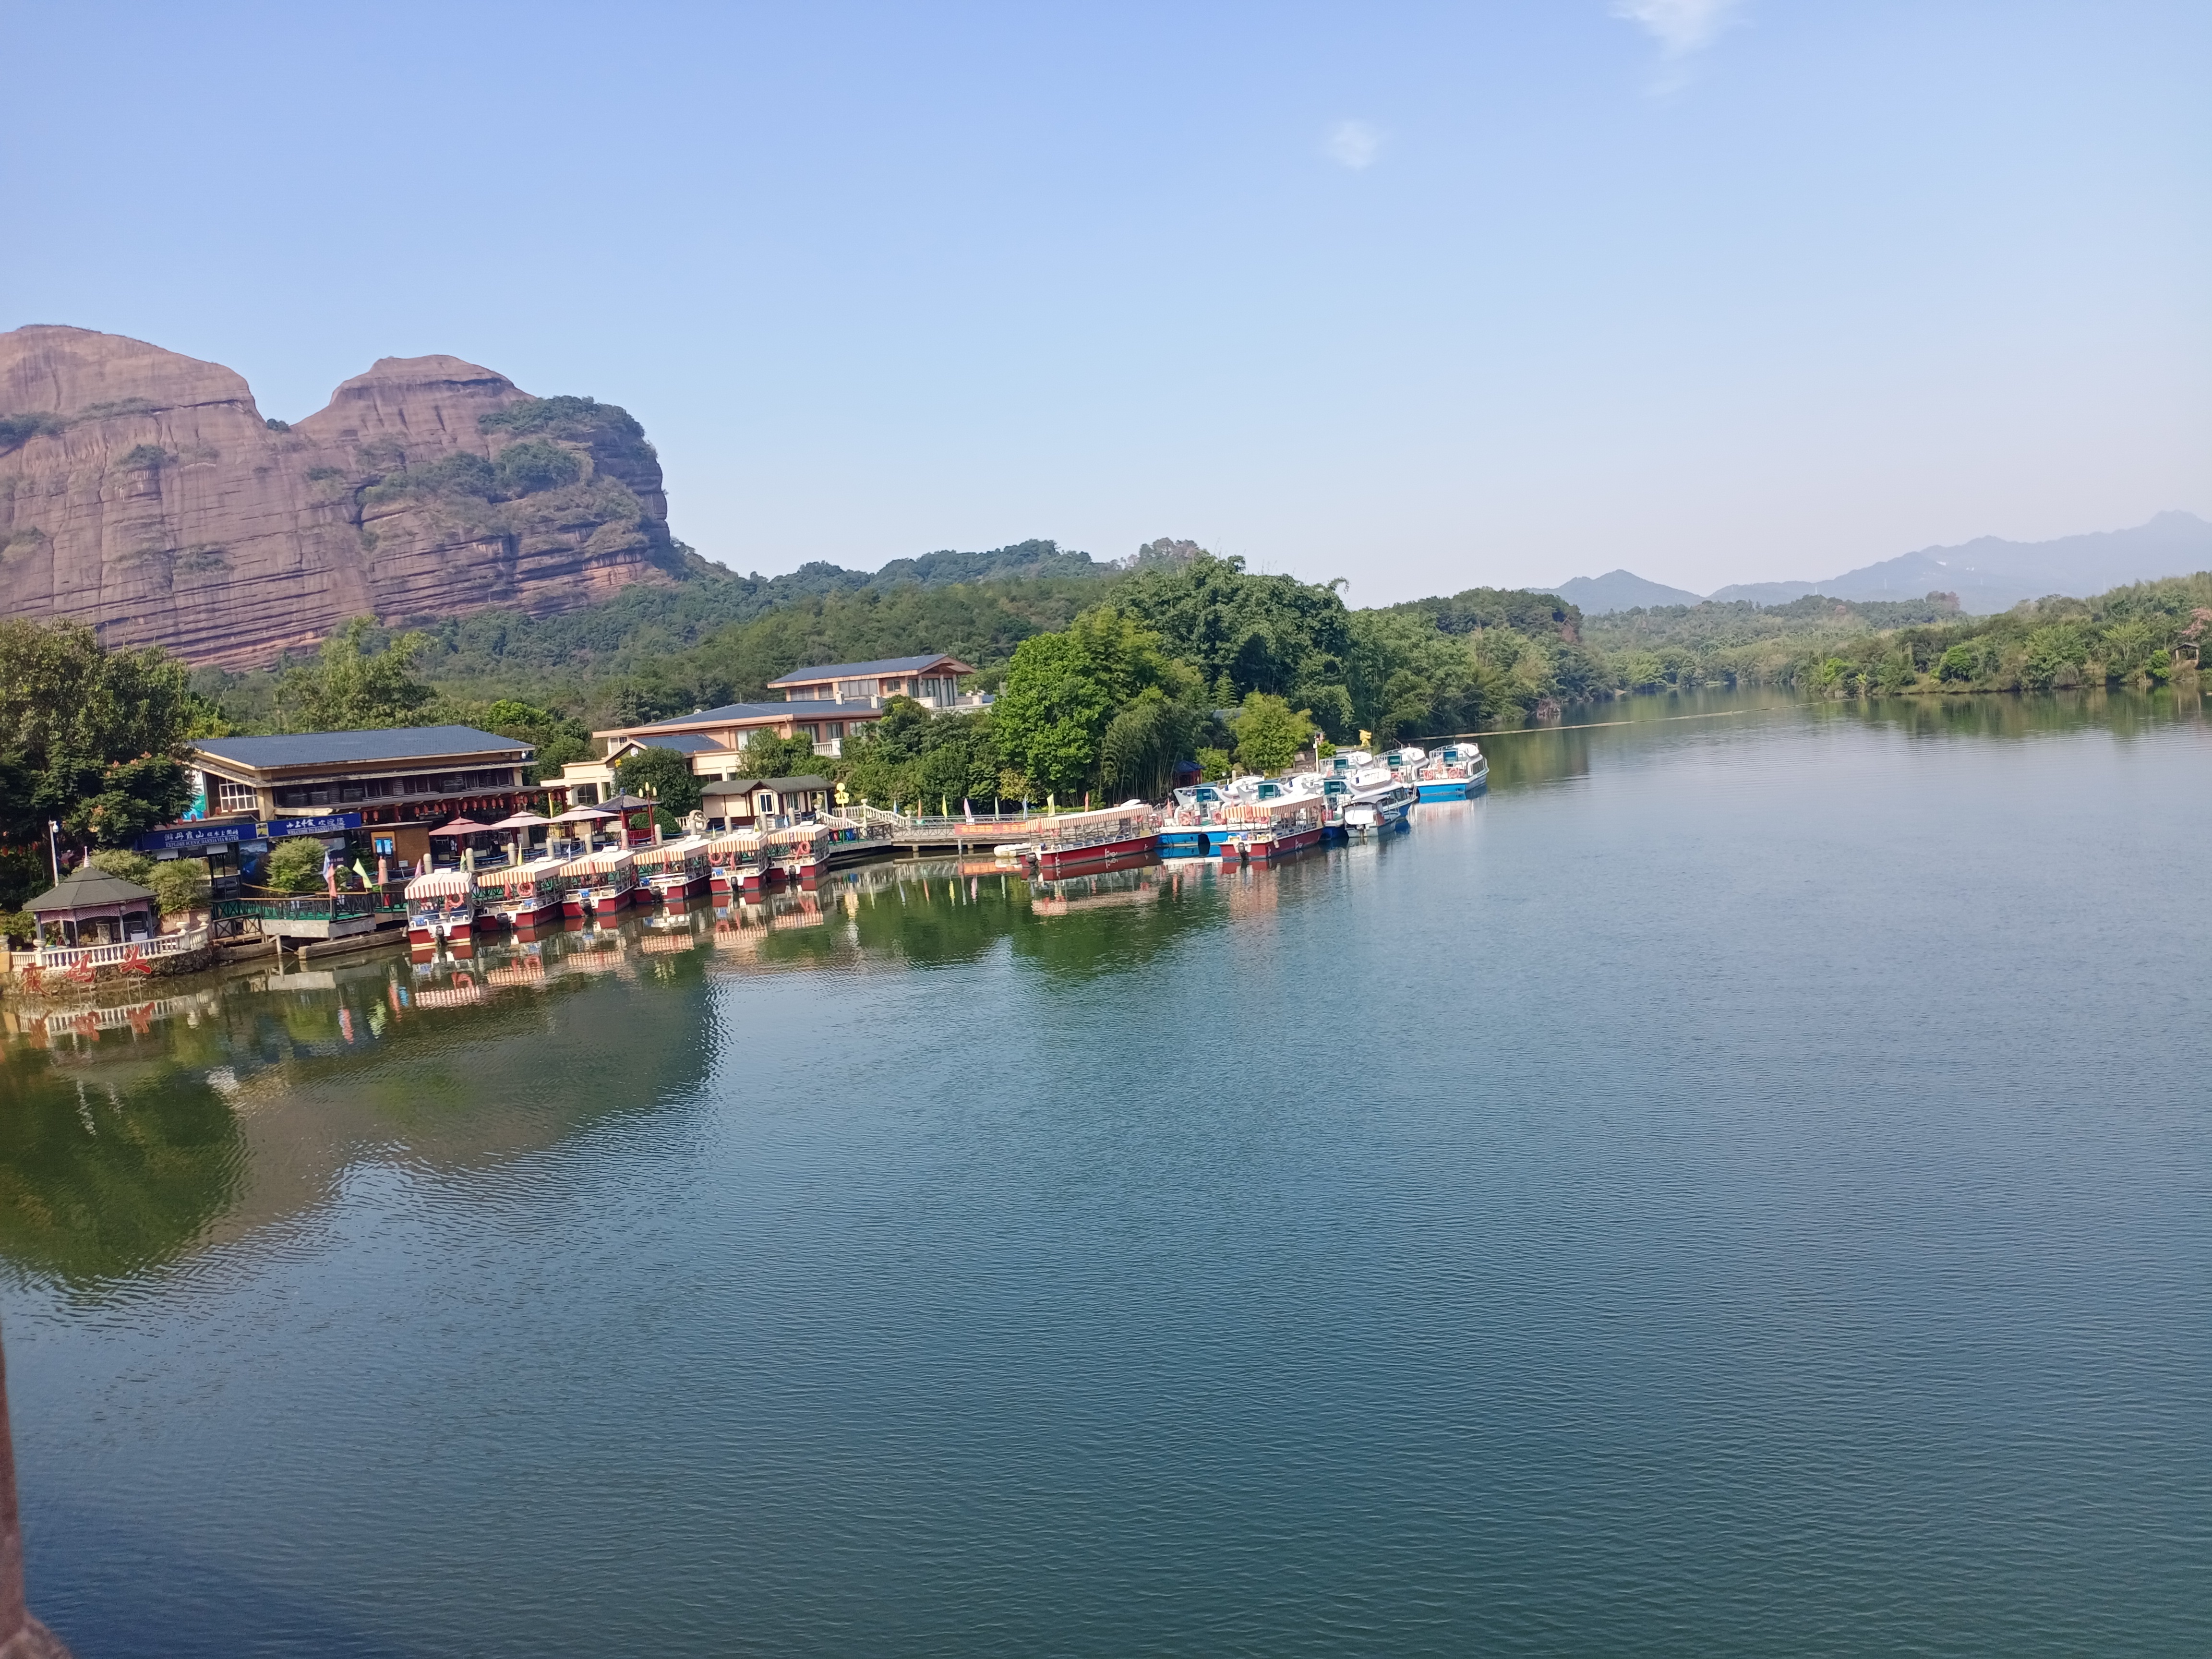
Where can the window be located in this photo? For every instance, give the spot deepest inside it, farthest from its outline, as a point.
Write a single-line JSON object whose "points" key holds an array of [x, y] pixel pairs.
{"points": [[234, 797], [352, 792], [834, 729], [855, 690]]}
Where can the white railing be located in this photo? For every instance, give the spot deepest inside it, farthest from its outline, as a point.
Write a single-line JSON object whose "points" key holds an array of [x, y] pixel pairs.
{"points": [[65, 956]]}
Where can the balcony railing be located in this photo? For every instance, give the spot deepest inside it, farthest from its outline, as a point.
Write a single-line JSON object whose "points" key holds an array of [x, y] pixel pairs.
{"points": [[61, 958]]}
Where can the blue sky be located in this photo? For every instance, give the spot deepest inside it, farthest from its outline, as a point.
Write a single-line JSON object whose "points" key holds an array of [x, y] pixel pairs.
{"points": [[1421, 296]]}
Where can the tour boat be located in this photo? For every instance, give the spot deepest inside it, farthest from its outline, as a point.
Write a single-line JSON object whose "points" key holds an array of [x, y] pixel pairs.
{"points": [[440, 905], [1193, 819], [1457, 771], [798, 854], [1068, 841], [599, 884], [1258, 831], [521, 895], [1377, 801], [735, 864], [675, 871]]}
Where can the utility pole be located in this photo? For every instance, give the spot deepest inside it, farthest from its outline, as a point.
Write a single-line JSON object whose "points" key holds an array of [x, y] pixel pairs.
{"points": [[53, 849]]}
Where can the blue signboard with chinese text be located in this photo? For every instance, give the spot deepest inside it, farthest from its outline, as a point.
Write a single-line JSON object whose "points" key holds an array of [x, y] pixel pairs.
{"points": [[188, 836], [333, 824]]}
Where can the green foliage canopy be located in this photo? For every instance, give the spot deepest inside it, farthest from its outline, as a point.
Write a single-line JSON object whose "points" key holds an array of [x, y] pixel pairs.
{"points": [[665, 776]]}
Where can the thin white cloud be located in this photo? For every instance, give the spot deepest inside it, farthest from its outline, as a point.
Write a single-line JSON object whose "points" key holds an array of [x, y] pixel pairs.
{"points": [[1354, 144], [1681, 28]]}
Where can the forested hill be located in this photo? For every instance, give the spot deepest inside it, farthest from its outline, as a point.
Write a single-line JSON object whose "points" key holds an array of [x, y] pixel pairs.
{"points": [[626, 657]]}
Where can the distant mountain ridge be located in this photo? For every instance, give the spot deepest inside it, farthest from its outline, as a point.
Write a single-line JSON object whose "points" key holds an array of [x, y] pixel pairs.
{"points": [[1621, 590], [1988, 574]]}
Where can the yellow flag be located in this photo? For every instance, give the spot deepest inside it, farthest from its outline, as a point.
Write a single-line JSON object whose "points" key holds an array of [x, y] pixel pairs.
{"points": [[1366, 737]]}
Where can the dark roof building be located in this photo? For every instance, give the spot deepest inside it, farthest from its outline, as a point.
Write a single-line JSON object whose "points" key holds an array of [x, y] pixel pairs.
{"points": [[933, 678], [728, 726], [746, 803], [406, 775]]}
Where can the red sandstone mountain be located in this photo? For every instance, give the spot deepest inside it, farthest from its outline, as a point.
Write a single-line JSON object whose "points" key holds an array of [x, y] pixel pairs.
{"points": [[143, 492]]}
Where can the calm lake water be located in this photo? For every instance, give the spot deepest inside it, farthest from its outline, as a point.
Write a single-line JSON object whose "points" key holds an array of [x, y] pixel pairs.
{"points": [[1743, 1187]]}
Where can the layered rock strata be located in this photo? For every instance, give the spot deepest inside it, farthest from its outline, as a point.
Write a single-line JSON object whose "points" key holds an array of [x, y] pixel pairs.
{"points": [[143, 492]]}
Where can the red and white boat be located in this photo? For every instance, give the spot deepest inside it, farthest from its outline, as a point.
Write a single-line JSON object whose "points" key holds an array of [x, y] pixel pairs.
{"points": [[1258, 831], [733, 863], [674, 871], [1066, 842], [440, 905], [602, 883], [521, 895]]}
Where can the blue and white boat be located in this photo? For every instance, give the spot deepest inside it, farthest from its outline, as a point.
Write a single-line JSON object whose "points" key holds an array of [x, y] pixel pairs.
{"points": [[1193, 824], [1378, 801], [1458, 771]]}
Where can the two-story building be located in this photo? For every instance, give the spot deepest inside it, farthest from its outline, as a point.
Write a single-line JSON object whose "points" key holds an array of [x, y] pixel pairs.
{"points": [[824, 704], [932, 681], [380, 792]]}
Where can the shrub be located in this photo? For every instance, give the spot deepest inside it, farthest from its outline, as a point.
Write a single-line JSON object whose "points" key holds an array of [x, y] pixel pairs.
{"points": [[535, 465], [141, 456], [276, 425], [16, 430]]}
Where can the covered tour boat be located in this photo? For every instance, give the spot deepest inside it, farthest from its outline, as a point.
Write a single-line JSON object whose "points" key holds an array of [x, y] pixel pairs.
{"points": [[674, 871], [440, 905], [1258, 831], [1068, 841], [521, 895], [733, 863], [800, 852], [601, 884]]}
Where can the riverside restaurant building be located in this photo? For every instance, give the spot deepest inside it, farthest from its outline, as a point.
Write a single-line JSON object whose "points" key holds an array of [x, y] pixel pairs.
{"points": [[366, 794]]}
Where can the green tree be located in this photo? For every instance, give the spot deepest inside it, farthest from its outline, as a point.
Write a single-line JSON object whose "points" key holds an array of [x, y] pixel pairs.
{"points": [[1142, 744], [665, 776], [351, 687], [1063, 691], [557, 738], [89, 737], [295, 865], [1269, 733], [767, 755]]}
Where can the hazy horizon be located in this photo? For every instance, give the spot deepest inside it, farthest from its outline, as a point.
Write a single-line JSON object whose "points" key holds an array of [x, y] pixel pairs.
{"points": [[1715, 292]]}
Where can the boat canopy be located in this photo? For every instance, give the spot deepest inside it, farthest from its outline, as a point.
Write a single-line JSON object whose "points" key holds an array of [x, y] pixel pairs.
{"points": [[607, 861], [1102, 824], [440, 884], [735, 847], [672, 855], [541, 877], [1276, 809]]}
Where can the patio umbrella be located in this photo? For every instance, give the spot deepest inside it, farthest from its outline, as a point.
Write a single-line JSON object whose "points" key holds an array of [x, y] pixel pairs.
{"points": [[581, 815], [463, 827], [522, 823]]}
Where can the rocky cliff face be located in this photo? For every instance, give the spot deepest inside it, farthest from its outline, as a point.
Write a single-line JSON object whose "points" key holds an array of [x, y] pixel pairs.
{"points": [[143, 492]]}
